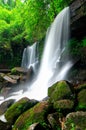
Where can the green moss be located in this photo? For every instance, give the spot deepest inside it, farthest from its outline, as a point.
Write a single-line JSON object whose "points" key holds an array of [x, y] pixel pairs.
{"points": [[16, 109], [36, 114], [13, 71], [63, 104], [76, 120], [60, 90], [82, 99]]}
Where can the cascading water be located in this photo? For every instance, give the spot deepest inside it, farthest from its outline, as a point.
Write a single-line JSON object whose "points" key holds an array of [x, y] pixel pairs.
{"points": [[30, 57], [53, 66]]}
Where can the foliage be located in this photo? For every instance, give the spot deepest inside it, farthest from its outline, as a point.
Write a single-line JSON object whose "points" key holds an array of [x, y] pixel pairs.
{"points": [[84, 42], [77, 49], [23, 23]]}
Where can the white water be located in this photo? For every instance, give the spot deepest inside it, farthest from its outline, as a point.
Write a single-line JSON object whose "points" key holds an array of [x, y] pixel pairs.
{"points": [[30, 57], [53, 67]]}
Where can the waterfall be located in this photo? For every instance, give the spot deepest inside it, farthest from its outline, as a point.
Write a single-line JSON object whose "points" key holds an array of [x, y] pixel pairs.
{"points": [[54, 64], [30, 57]]}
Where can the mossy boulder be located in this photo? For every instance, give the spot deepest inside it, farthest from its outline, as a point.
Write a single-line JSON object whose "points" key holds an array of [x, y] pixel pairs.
{"points": [[60, 90], [17, 109], [82, 99], [76, 121], [36, 114], [63, 104]]}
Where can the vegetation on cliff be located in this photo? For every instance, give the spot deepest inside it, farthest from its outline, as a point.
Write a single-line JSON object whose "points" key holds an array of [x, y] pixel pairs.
{"points": [[23, 23]]}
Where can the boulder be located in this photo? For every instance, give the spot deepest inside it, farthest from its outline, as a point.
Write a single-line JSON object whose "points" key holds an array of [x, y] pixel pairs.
{"points": [[18, 108], [63, 104], [5, 105], [53, 120], [76, 121], [36, 114], [60, 90]]}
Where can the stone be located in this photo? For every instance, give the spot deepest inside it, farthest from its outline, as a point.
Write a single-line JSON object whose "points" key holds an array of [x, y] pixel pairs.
{"points": [[38, 113], [76, 121], [5, 105], [53, 120], [9, 79], [80, 87], [60, 90], [4, 77], [63, 104], [18, 108]]}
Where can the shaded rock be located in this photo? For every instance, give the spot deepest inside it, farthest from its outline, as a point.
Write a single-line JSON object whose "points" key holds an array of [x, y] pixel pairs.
{"points": [[82, 99], [1, 77], [60, 90], [15, 77], [4, 126], [5, 105], [36, 126], [18, 108], [5, 91], [54, 120], [63, 104], [36, 114], [76, 120], [80, 87], [1, 85]]}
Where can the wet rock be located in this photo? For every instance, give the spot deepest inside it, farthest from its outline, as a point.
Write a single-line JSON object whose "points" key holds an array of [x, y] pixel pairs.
{"points": [[54, 121], [36, 114], [18, 108], [60, 90], [5, 105], [4, 126], [76, 121], [4, 77], [63, 104], [5, 91], [9, 79]]}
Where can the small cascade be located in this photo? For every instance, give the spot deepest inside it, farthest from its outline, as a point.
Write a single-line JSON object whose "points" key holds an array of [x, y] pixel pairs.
{"points": [[30, 57]]}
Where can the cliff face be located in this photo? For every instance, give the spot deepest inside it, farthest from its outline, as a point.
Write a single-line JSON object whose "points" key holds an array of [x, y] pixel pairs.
{"points": [[78, 18]]}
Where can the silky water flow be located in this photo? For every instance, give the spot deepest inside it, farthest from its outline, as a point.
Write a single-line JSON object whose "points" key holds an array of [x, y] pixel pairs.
{"points": [[54, 65]]}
